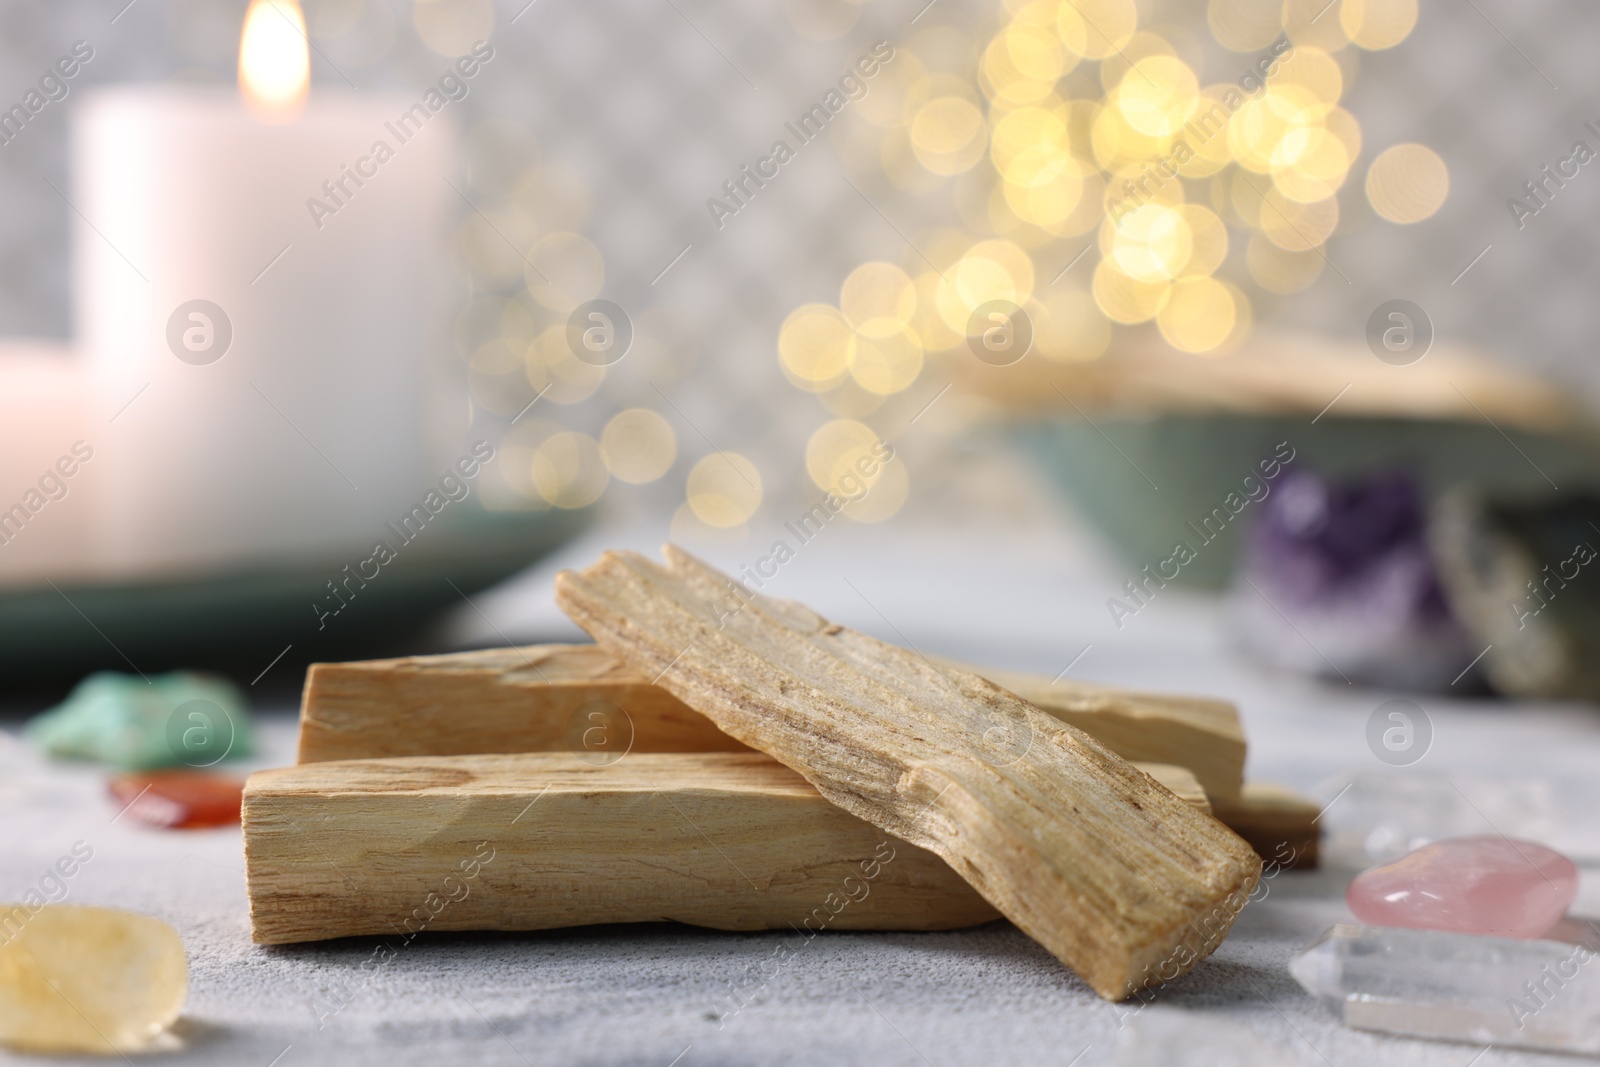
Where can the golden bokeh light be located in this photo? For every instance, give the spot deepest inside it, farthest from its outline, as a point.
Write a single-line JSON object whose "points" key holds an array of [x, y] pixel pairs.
{"points": [[815, 345], [1053, 205], [976, 276], [1377, 24], [1129, 190], [836, 448], [1067, 124], [930, 326], [1245, 25], [508, 482], [1022, 64], [724, 489], [848, 459], [1124, 299], [638, 446], [563, 270], [1295, 226], [1321, 169], [568, 470], [555, 371], [1150, 244], [981, 202], [1085, 214], [1407, 183], [1276, 129], [552, 197], [1142, 45], [1030, 145], [884, 494], [1243, 320], [1117, 145], [1158, 95], [1208, 240], [1198, 316], [1042, 181], [990, 270], [1207, 135], [1035, 44], [1240, 198], [1095, 29], [878, 299], [886, 365], [948, 135], [1311, 22], [1313, 69], [523, 319]]}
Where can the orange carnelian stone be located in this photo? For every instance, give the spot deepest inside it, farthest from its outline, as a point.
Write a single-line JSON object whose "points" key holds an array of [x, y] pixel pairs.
{"points": [[179, 800]]}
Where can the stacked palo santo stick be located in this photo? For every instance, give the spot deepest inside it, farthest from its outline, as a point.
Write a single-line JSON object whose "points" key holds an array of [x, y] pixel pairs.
{"points": [[740, 763]]}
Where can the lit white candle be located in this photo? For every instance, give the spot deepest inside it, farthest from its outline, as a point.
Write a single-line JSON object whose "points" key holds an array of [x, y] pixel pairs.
{"points": [[278, 352]]}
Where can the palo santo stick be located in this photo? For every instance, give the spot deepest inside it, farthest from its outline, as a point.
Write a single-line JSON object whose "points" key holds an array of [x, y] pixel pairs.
{"points": [[1119, 879], [1181, 782], [1280, 824], [545, 698], [734, 841], [1194, 732], [542, 698], [581, 699]]}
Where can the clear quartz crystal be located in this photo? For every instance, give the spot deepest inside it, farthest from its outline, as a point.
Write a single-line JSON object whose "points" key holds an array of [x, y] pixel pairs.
{"points": [[1542, 994]]}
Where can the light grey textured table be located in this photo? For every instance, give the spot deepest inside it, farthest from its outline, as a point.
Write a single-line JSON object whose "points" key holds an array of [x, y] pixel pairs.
{"points": [[1017, 594]]}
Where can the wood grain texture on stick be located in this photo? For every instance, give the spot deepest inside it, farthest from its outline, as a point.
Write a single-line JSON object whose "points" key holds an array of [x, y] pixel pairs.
{"points": [[1280, 824], [544, 698], [539, 698], [734, 841], [1113, 874], [1201, 734]]}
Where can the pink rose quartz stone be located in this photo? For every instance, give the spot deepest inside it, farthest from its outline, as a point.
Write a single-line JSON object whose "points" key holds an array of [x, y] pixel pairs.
{"points": [[1489, 885]]}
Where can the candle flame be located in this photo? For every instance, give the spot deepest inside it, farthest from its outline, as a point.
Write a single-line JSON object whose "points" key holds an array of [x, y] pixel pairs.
{"points": [[274, 59]]}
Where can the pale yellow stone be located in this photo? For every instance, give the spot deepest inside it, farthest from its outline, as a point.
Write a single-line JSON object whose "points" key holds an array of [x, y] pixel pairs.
{"points": [[80, 979]]}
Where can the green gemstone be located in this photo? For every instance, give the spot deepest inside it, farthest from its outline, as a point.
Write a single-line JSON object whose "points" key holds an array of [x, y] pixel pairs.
{"points": [[178, 719]]}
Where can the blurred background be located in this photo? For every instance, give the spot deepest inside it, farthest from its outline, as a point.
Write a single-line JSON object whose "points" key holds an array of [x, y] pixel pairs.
{"points": [[1098, 262], [1237, 347]]}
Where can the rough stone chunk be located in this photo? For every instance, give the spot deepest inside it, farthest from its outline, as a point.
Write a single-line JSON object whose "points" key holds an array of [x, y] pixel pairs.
{"points": [[79, 979], [179, 800], [134, 723]]}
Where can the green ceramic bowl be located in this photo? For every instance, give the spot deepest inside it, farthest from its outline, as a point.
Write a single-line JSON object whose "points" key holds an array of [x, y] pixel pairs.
{"points": [[1142, 482], [239, 620]]}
